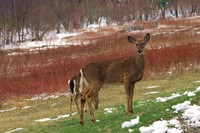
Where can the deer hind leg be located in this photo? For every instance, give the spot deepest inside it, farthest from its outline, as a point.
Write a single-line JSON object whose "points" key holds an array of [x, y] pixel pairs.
{"points": [[76, 99], [83, 101], [70, 105]]}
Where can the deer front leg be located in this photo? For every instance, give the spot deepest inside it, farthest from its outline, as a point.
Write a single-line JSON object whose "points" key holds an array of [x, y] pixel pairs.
{"points": [[96, 101], [129, 96], [89, 101]]}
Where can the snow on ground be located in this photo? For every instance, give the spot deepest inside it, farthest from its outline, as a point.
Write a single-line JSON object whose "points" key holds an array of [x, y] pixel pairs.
{"points": [[163, 126], [50, 41], [198, 89], [152, 92], [53, 40], [6, 110], [191, 113], [27, 107], [14, 130], [52, 119], [45, 96], [189, 93], [151, 87], [131, 123], [164, 99], [175, 95], [181, 106], [109, 110], [191, 116], [130, 130], [197, 81], [1, 111]]}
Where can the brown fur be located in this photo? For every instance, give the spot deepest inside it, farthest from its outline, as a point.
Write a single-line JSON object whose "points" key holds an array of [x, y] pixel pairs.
{"points": [[76, 96], [124, 70]]}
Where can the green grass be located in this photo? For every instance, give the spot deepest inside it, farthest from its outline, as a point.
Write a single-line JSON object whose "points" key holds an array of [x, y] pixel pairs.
{"points": [[110, 96]]}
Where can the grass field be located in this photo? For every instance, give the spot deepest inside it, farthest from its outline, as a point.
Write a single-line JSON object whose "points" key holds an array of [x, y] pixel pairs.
{"points": [[145, 107]]}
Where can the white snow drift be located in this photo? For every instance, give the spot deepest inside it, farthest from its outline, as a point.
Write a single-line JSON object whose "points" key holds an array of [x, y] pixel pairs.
{"points": [[131, 123]]}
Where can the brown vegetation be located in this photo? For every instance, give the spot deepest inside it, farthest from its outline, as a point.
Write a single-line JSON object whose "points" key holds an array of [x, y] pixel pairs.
{"points": [[28, 73]]}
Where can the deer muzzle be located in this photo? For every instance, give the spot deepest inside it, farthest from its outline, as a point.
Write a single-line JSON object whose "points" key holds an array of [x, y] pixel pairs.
{"points": [[139, 51]]}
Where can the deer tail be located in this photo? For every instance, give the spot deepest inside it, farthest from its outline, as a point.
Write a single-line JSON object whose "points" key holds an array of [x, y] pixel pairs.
{"points": [[72, 86]]}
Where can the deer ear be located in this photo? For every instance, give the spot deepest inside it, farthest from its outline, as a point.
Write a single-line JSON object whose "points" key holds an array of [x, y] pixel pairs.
{"points": [[147, 37], [131, 39]]}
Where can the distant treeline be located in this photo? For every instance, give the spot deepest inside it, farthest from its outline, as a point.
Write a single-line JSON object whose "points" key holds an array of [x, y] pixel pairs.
{"points": [[37, 17]]}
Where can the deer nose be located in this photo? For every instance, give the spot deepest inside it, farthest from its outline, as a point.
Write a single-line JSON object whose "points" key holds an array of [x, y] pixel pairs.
{"points": [[139, 50]]}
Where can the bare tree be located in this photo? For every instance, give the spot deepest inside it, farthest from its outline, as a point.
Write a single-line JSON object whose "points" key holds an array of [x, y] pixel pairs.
{"points": [[174, 7]]}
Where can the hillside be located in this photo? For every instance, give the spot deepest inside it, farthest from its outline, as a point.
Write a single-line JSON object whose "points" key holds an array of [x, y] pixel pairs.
{"points": [[34, 75]]}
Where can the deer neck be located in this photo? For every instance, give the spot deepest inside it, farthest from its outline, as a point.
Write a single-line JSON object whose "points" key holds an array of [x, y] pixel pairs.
{"points": [[141, 60]]}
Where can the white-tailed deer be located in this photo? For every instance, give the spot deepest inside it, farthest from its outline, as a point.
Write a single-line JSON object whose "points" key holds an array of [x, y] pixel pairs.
{"points": [[75, 94], [125, 70]]}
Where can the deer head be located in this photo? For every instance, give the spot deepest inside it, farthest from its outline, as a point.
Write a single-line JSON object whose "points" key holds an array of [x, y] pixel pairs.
{"points": [[140, 44]]}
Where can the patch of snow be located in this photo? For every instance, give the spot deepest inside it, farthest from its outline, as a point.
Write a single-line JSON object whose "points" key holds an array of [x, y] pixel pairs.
{"points": [[52, 119], [131, 123], [170, 73], [198, 89], [1, 111], [14, 130], [50, 40], [27, 107], [61, 116], [167, 110], [189, 93], [45, 96], [164, 99], [181, 106], [43, 120], [148, 129], [109, 110], [152, 92], [191, 114], [151, 87], [198, 81], [163, 26], [163, 126], [130, 130], [53, 105], [175, 123]]}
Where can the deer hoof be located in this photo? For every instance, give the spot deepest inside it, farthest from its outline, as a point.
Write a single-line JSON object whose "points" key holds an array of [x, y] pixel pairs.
{"points": [[82, 123], [94, 121], [129, 112]]}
